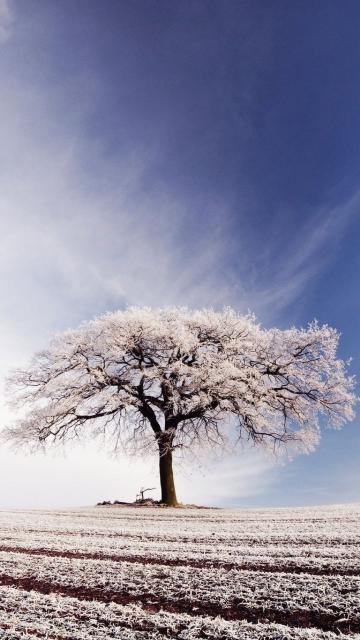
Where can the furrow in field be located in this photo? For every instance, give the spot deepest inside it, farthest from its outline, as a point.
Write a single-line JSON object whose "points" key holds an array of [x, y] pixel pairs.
{"points": [[333, 558], [54, 616], [156, 603], [232, 540], [294, 567], [304, 600], [324, 592]]}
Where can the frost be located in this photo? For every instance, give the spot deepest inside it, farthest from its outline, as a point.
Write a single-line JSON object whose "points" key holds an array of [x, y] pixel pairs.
{"points": [[173, 601], [137, 373]]}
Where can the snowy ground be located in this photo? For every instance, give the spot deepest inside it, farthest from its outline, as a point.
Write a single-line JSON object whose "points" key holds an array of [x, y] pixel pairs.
{"points": [[180, 573]]}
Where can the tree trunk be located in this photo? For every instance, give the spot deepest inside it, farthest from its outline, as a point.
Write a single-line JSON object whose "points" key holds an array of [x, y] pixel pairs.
{"points": [[168, 493]]}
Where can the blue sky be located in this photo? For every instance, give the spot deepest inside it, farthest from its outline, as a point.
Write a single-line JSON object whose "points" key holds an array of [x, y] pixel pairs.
{"points": [[200, 153]]}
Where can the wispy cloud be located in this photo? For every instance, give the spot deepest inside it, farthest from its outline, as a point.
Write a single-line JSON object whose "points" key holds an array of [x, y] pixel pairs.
{"points": [[76, 243], [82, 233], [229, 481], [6, 21], [289, 266]]}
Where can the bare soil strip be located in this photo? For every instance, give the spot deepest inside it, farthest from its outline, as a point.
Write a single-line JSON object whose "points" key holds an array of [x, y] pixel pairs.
{"points": [[154, 603], [174, 562]]}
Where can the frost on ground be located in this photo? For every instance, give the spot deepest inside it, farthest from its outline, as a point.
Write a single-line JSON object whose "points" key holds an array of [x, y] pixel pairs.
{"points": [[148, 573]]}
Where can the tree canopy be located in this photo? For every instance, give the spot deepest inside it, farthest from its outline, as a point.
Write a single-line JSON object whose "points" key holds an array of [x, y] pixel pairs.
{"points": [[174, 378]]}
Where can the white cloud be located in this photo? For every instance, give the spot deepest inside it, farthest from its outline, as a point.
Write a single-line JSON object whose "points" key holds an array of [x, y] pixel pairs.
{"points": [[71, 249], [84, 475], [285, 269], [6, 20], [229, 480]]}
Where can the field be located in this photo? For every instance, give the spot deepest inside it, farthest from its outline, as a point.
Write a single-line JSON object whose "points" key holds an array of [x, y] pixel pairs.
{"points": [[128, 573]]}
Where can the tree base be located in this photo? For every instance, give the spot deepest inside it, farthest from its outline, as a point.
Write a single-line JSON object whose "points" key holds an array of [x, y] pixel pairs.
{"points": [[151, 503]]}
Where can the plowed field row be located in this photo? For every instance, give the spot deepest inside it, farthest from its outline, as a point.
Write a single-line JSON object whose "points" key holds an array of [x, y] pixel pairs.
{"points": [[136, 574], [297, 565], [59, 616]]}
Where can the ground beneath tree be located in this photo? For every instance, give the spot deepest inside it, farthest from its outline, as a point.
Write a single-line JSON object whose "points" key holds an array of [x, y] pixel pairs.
{"points": [[150, 503]]}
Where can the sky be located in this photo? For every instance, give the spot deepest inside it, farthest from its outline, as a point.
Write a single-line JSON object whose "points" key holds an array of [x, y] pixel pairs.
{"points": [[203, 153]]}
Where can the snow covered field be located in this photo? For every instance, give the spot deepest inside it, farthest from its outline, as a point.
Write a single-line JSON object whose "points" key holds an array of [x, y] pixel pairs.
{"points": [[115, 572]]}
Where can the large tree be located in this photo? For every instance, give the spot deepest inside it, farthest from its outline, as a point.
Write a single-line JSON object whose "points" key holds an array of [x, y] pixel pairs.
{"points": [[176, 378]]}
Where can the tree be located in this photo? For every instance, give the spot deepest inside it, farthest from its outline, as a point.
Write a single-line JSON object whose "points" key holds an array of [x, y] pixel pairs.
{"points": [[174, 378]]}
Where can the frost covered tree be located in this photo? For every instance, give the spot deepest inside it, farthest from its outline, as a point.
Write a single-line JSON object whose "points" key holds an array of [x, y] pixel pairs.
{"points": [[174, 378]]}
